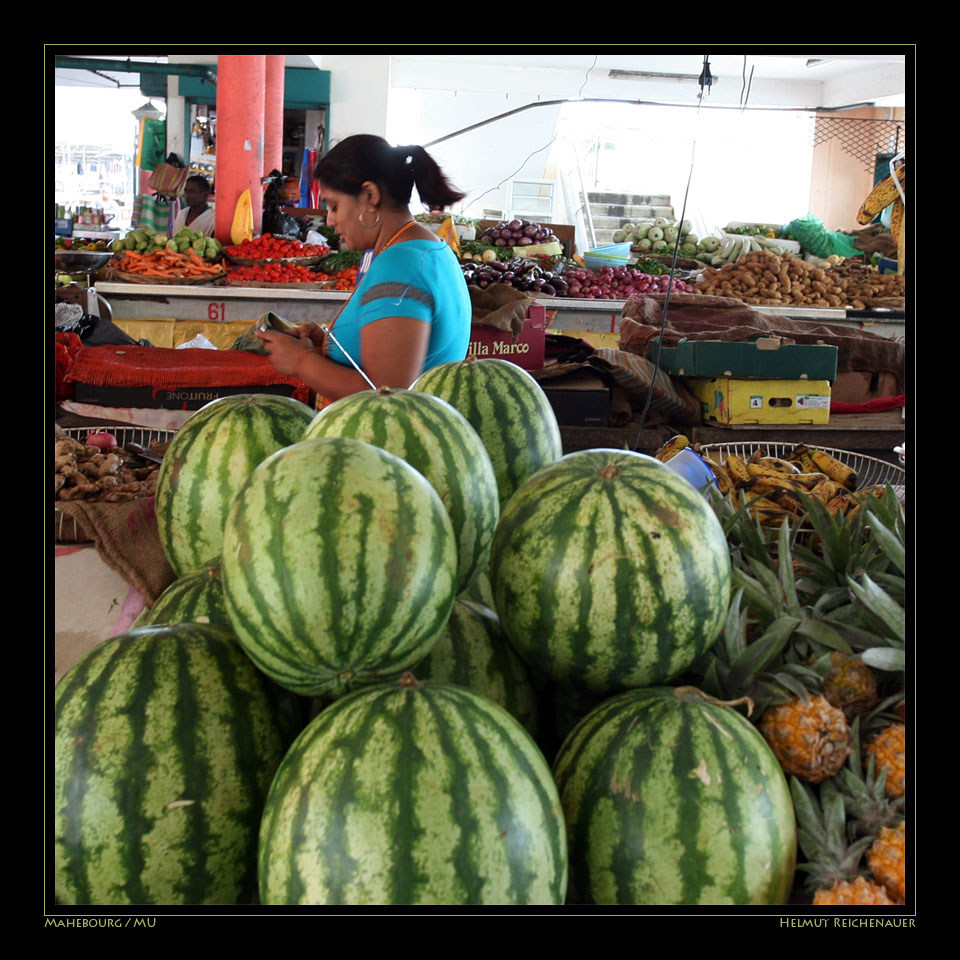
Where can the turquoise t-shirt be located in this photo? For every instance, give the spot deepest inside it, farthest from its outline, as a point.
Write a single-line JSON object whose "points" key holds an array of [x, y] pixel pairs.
{"points": [[420, 279]]}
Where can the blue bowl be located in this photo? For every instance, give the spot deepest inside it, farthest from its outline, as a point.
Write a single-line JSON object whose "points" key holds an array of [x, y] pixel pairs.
{"points": [[693, 468]]}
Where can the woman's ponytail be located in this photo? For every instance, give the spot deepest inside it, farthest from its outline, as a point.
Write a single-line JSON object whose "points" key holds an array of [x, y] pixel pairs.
{"points": [[433, 187]]}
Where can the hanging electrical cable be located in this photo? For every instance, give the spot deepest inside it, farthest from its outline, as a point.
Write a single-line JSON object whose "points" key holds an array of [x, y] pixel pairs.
{"points": [[706, 81], [541, 149]]}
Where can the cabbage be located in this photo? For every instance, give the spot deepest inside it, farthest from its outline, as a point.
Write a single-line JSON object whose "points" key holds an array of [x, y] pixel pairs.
{"points": [[688, 250], [659, 246], [645, 244], [661, 222], [655, 233], [641, 230], [671, 234], [619, 236], [685, 228]]}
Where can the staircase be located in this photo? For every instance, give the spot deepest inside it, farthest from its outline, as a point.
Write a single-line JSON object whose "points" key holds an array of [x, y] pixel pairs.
{"points": [[610, 211]]}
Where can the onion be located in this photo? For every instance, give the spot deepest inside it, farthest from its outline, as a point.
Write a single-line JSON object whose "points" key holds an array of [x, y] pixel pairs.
{"points": [[105, 441]]}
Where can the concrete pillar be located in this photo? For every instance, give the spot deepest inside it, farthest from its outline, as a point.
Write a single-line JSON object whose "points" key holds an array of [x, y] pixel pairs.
{"points": [[176, 122], [240, 96], [273, 114]]}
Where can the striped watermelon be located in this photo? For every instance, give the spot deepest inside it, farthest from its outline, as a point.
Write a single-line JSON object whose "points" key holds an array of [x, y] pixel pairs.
{"points": [[474, 653], [208, 460], [673, 799], [609, 571], [339, 566], [413, 793], [196, 597], [507, 408], [435, 439], [166, 742]]}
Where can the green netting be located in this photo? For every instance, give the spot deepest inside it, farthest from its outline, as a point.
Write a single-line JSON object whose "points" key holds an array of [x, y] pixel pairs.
{"points": [[816, 239]]}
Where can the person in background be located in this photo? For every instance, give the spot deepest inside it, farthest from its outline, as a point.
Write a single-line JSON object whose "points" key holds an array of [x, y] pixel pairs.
{"points": [[411, 309], [197, 214]]}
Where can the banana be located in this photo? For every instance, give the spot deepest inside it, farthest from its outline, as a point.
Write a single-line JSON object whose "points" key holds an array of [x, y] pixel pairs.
{"points": [[723, 478], [778, 465], [825, 491], [834, 469], [801, 456], [768, 478], [882, 195], [737, 470], [672, 447]]}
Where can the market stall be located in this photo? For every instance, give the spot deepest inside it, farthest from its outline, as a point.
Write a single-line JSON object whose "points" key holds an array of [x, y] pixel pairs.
{"points": [[654, 522]]}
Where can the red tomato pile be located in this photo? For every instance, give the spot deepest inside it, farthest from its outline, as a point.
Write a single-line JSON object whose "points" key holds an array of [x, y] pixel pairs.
{"points": [[269, 247], [273, 273]]}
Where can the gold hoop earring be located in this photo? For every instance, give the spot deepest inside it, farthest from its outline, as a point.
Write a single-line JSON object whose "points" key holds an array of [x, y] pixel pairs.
{"points": [[369, 226]]}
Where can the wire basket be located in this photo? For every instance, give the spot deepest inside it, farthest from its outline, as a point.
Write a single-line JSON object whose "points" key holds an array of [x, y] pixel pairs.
{"points": [[144, 436], [871, 471]]}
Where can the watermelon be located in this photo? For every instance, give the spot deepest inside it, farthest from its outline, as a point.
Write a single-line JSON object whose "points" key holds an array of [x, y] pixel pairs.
{"points": [[339, 566], [413, 794], [208, 460], [610, 571], [435, 439], [166, 742], [196, 597], [509, 410], [673, 798], [474, 653]]}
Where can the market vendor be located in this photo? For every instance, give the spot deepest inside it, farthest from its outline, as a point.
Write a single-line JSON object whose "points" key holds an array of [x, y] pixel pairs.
{"points": [[197, 214], [411, 309]]}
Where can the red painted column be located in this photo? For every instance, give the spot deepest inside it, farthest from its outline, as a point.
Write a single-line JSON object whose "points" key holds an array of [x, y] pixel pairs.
{"points": [[273, 114], [240, 86]]}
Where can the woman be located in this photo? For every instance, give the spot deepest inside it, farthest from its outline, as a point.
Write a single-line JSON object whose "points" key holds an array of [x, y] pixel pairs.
{"points": [[197, 214], [411, 309]]}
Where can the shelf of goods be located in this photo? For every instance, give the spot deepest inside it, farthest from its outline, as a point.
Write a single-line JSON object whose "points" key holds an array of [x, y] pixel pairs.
{"points": [[236, 304]]}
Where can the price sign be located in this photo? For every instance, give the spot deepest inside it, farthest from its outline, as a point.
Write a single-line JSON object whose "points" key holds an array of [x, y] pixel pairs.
{"points": [[217, 311]]}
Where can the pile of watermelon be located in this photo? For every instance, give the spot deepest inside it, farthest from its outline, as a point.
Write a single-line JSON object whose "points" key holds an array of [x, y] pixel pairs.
{"points": [[416, 656]]}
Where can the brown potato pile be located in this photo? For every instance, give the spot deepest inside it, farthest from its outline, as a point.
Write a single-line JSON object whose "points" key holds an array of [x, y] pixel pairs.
{"points": [[788, 281]]}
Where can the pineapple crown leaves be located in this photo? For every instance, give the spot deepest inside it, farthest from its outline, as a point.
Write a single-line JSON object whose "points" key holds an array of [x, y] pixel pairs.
{"points": [[864, 794], [822, 835], [879, 610]]}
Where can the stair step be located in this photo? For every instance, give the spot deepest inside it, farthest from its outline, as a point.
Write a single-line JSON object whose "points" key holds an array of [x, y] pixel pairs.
{"points": [[629, 199]]}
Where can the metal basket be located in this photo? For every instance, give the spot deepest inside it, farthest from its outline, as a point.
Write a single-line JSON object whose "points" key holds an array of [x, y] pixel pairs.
{"points": [[870, 470], [144, 436]]}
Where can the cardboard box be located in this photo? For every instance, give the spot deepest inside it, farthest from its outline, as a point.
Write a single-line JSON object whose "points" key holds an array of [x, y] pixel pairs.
{"points": [[527, 351], [579, 399], [730, 402], [769, 358]]}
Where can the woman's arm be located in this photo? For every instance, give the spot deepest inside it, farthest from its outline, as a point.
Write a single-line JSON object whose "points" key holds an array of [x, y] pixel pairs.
{"points": [[393, 348]]}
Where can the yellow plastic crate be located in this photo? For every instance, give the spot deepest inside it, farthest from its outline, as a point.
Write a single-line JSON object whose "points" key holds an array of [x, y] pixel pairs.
{"points": [[728, 401]]}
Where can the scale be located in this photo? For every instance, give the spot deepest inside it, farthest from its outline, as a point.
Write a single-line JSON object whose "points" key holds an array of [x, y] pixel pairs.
{"points": [[88, 262]]}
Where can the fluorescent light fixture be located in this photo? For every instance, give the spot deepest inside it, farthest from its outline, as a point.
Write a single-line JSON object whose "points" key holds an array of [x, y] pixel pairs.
{"points": [[646, 75]]}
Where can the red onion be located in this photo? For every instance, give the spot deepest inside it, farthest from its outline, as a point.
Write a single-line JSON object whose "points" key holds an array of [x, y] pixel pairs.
{"points": [[105, 441]]}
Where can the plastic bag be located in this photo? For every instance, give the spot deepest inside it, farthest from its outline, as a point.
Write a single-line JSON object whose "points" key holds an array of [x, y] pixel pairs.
{"points": [[816, 239], [269, 321], [199, 342]]}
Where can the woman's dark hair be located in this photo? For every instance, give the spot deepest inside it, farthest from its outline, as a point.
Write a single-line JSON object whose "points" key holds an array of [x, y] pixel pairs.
{"points": [[395, 170]]}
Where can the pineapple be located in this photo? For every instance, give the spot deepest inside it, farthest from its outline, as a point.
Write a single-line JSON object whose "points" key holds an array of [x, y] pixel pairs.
{"points": [[888, 749], [860, 893], [833, 865], [887, 861], [850, 685], [809, 737]]}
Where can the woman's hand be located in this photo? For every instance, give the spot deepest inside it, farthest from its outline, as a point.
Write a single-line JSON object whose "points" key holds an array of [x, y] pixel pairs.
{"points": [[311, 331], [285, 352]]}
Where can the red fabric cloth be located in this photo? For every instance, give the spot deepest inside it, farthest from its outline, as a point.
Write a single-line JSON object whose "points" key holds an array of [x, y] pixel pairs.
{"points": [[66, 348], [878, 405], [171, 369]]}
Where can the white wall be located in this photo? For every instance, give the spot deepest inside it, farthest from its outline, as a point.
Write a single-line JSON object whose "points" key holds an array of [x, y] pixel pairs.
{"points": [[359, 91]]}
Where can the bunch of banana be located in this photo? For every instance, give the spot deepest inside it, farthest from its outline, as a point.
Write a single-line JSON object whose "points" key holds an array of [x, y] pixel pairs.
{"points": [[814, 461], [882, 195], [672, 447]]}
